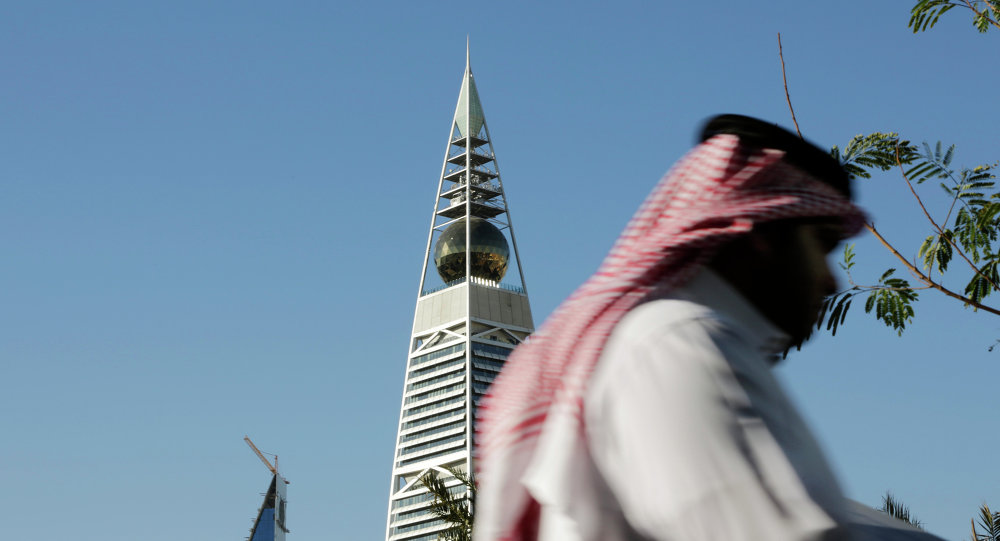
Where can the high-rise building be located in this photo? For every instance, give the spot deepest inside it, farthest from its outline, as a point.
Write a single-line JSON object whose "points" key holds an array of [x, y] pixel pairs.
{"points": [[270, 522], [472, 309]]}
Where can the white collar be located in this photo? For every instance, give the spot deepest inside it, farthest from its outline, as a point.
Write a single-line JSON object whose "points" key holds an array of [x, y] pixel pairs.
{"points": [[709, 289]]}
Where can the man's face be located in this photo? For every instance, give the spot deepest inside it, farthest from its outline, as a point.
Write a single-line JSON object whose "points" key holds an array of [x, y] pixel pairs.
{"points": [[796, 273]]}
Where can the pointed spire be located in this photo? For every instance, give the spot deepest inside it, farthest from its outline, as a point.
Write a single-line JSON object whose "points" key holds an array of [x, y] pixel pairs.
{"points": [[469, 115]]}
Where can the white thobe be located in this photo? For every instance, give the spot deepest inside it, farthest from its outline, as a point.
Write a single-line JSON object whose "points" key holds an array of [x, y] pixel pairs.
{"points": [[690, 436]]}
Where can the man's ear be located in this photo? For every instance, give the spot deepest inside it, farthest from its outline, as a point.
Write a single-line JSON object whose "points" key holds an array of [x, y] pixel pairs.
{"points": [[749, 248], [744, 261]]}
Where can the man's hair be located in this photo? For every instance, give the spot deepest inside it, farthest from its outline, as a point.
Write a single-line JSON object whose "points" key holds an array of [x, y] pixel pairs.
{"points": [[798, 152]]}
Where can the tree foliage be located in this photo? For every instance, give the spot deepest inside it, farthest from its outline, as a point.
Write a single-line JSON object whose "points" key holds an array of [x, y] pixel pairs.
{"points": [[925, 13], [965, 231], [989, 522], [897, 509], [455, 508], [968, 230]]}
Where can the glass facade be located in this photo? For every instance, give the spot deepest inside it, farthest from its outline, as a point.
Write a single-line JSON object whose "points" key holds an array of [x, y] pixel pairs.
{"points": [[264, 529], [436, 392], [427, 357], [270, 522]]}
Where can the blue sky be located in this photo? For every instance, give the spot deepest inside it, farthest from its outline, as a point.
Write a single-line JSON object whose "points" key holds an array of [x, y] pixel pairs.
{"points": [[213, 216]]}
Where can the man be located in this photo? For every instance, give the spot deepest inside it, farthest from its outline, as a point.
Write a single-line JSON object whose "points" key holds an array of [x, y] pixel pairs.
{"points": [[644, 408]]}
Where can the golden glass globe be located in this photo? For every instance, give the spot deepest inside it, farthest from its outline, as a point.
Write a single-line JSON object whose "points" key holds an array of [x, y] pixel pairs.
{"points": [[489, 250]]}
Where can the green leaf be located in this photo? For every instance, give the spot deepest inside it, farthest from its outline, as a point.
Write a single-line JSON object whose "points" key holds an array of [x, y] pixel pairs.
{"points": [[926, 13], [943, 253], [848, 263], [873, 151], [980, 286], [892, 302], [981, 22], [926, 251]]}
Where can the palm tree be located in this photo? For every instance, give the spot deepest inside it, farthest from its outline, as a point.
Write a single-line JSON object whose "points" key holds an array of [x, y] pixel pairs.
{"points": [[454, 509], [897, 509], [989, 522]]}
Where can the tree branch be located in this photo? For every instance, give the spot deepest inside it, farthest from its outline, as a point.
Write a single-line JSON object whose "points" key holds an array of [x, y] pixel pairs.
{"points": [[971, 6], [937, 227], [923, 277], [785, 81], [909, 266]]}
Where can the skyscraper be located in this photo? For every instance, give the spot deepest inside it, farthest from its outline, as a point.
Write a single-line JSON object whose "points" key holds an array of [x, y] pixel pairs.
{"points": [[270, 522], [472, 309]]}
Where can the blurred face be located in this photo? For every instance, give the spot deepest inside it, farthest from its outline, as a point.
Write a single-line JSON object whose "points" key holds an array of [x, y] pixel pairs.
{"points": [[794, 276]]}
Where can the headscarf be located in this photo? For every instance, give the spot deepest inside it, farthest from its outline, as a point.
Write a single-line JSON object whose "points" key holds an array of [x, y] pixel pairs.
{"points": [[532, 418]]}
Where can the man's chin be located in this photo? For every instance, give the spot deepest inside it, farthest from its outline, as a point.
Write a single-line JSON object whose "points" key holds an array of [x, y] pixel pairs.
{"points": [[798, 338]]}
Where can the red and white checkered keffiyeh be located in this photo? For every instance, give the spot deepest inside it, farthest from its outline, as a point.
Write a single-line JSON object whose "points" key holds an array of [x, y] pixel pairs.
{"points": [[532, 418]]}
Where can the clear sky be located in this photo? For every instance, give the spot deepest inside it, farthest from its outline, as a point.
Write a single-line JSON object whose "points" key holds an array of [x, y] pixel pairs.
{"points": [[213, 216]]}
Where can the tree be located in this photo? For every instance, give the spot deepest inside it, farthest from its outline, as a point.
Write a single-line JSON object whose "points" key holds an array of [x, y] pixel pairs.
{"points": [[966, 231], [455, 508], [990, 523], [897, 509], [925, 14]]}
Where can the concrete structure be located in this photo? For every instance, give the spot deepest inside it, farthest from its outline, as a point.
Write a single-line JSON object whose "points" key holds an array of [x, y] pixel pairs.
{"points": [[472, 309]]}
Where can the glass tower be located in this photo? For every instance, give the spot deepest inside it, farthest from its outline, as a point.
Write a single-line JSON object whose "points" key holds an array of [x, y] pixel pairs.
{"points": [[270, 522], [472, 309]]}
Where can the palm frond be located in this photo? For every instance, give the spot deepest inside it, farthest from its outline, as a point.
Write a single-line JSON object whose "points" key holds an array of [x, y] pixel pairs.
{"points": [[990, 523], [450, 505], [897, 509]]}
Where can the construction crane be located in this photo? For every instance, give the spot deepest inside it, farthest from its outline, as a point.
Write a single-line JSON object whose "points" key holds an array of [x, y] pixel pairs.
{"points": [[260, 455]]}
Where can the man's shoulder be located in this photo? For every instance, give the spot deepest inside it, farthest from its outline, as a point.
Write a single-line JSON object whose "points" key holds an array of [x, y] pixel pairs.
{"points": [[663, 317], [679, 335], [667, 346]]}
